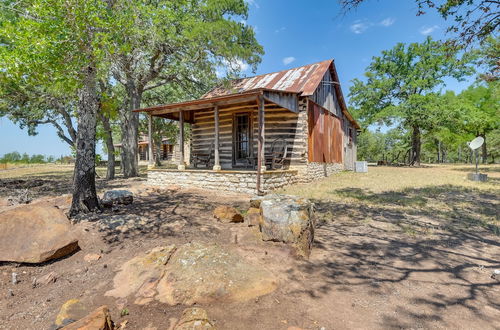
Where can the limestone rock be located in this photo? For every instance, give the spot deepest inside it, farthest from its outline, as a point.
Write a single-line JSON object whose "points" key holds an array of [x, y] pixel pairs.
{"points": [[193, 273], [255, 202], [99, 319], [71, 311], [112, 197], [200, 273], [35, 233], [194, 319], [288, 219], [253, 217], [226, 214], [92, 257], [140, 275]]}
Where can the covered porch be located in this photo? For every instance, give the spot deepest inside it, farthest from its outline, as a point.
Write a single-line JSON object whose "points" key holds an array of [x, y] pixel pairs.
{"points": [[244, 142]]}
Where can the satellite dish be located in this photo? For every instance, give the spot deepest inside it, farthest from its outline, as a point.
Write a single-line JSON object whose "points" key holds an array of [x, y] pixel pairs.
{"points": [[476, 143]]}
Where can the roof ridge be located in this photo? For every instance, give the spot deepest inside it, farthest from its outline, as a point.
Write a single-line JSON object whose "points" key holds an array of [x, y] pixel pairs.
{"points": [[297, 67]]}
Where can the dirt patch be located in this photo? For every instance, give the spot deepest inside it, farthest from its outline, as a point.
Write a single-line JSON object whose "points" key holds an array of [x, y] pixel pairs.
{"points": [[402, 256]]}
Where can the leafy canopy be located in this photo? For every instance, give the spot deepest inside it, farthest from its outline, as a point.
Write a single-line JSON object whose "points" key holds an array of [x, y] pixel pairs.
{"points": [[401, 84]]}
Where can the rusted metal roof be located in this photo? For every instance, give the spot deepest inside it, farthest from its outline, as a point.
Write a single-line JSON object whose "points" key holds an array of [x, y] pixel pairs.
{"points": [[302, 80]]}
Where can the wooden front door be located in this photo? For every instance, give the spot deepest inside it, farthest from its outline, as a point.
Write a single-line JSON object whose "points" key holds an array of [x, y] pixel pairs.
{"points": [[241, 139]]}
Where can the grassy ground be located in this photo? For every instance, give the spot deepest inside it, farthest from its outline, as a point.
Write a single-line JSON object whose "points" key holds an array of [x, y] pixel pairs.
{"points": [[417, 198]]}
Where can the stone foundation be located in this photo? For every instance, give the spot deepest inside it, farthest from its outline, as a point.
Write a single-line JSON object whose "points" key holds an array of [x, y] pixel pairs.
{"points": [[236, 181], [241, 181]]}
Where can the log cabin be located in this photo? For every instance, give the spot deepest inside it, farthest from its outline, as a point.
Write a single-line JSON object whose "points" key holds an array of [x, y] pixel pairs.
{"points": [[169, 153], [264, 132]]}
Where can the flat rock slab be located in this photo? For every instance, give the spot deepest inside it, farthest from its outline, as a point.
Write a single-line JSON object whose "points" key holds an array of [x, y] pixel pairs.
{"points": [[35, 233], [193, 273]]}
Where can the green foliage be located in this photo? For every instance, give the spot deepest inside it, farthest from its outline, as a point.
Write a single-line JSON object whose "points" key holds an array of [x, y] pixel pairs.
{"points": [[472, 20], [390, 146], [401, 88], [16, 158]]}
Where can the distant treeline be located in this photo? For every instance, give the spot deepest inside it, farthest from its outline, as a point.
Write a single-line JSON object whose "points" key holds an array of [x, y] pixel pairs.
{"points": [[18, 158]]}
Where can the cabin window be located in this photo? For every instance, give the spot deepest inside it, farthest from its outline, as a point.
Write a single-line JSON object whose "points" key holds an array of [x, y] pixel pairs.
{"points": [[241, 136]]}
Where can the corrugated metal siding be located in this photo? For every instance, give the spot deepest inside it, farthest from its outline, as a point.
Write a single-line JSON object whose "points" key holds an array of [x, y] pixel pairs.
{"points": [[325, 136], [304, 80]]}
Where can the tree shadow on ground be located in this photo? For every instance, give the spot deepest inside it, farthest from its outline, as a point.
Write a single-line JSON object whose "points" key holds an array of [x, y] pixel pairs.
{"points": [[439, 242], [164, 213], [482, 168]]}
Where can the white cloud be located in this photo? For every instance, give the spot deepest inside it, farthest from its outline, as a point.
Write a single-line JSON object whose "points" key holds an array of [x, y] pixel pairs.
{"points": [[288, 60], [359, 27], [426, 30], [387, 22], [281, 29]]}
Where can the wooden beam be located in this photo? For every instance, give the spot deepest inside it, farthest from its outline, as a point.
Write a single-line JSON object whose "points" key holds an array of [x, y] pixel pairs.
{"points": [[260, 142], [182, 165], [150, 141], [217, 166], [203, 106]]}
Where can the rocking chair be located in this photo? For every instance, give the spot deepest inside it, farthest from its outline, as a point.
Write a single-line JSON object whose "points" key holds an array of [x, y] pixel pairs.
{"points": [[203, 158], [276, 157]]}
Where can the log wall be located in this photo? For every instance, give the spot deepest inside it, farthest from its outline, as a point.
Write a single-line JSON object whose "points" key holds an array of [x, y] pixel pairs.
{"points": [[279, 123]]}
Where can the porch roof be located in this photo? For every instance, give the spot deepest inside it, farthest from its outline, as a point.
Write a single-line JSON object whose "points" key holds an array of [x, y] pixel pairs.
{"points": [[285, 99]]}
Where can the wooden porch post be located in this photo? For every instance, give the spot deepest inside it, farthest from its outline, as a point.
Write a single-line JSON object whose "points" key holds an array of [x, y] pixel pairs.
{"points": [[261, 165], [150, 141], [217, 166], [182, 165]]}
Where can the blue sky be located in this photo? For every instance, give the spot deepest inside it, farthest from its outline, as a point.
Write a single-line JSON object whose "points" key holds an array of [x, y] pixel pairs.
{"points": [[296, 33]]}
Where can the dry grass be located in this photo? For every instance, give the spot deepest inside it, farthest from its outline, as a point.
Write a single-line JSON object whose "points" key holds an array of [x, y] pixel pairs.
{"points": [[383, 179], [414, 199], [36, 170]]}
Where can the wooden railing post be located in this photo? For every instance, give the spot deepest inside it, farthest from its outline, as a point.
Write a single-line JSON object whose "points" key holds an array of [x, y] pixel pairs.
{"points": [[182, 165], [217, 166], [150, 141], [261, 165]]}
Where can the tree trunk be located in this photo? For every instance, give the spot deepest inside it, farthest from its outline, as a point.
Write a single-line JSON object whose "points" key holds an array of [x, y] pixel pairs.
{"points": [[415, 146], [108, 137], [158, 150], [129, 130], [84, 191], [439, 152], [484, 150]]}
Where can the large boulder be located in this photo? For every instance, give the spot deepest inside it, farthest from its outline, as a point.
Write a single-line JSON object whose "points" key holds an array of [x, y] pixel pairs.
{"points": [[99, 319], [194, 318], [192, 273], [227, 214], [35, 233], [288, 219], [112, 197]]}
